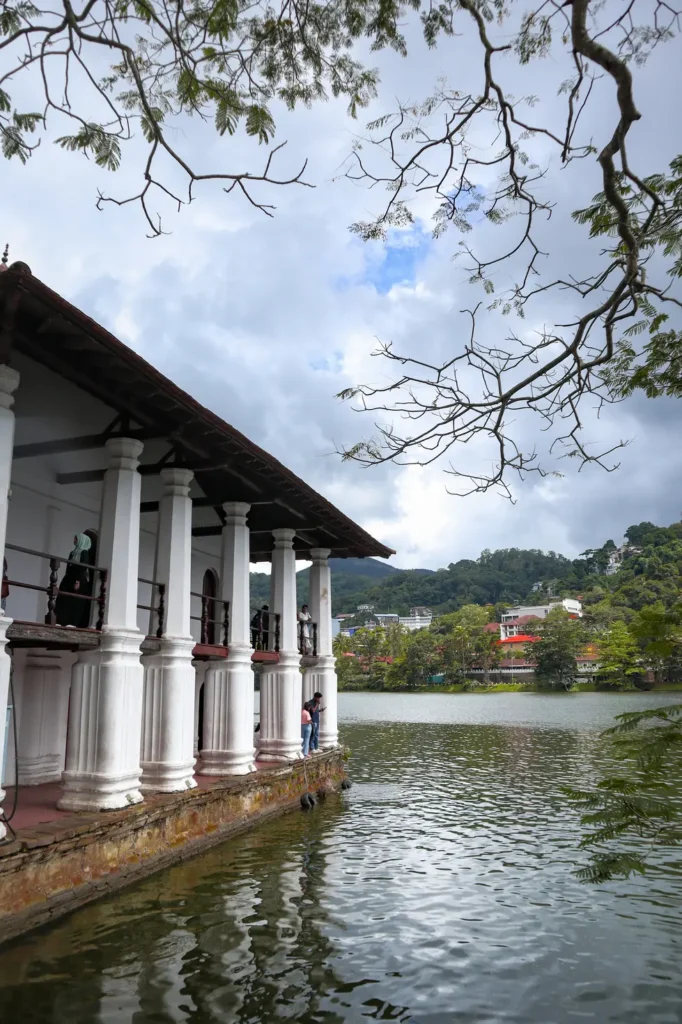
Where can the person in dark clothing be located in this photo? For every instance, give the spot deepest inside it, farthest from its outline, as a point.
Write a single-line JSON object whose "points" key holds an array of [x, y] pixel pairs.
{"points": [[5, 585], [73, 611], [90, 556], [260, 629], [313, 706]]}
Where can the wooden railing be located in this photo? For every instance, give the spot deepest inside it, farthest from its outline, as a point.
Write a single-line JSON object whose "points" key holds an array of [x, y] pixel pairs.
{"points": [[307, 643], [159, 609], [265, 630], [52, 589], [208, 619]]}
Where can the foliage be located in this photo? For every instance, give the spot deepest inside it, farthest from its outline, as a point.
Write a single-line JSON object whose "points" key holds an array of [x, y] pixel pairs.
{"points": [[366, 669], [618, 656], [115, 68], [658, 633], [416, 663], [561, 641], [395, 658], [629, 814], [467, 643]]}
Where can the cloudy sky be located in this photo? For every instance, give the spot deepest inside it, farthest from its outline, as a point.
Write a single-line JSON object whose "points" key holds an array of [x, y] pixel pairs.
{"points": [[265, 320]]}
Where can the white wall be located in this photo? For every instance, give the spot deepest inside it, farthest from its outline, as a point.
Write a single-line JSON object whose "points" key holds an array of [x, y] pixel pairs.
{"points": [[44, 516]]}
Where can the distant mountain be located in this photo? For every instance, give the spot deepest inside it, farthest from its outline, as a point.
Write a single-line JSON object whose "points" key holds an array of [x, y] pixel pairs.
{"points": [[495, 576], [368, 567]]}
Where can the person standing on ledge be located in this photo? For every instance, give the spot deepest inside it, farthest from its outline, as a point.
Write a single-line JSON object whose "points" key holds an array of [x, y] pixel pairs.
{"points": [[306, 730], [314, 708]]}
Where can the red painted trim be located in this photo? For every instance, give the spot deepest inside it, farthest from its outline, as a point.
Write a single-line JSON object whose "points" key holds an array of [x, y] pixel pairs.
{"points": [[271, 656], [209, 650]]}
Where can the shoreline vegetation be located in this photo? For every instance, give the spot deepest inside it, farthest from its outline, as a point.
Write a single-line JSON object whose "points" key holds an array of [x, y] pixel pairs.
{"points": [[621, 628], [459, 688]]}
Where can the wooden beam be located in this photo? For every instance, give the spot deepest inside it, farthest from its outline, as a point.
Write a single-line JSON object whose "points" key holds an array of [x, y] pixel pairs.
{"points": [[83, 476], [153, 506], [150, 469], [84, 443]]}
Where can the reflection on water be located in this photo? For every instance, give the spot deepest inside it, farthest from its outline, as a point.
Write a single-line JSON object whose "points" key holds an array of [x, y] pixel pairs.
{"points": [[439, 890]]}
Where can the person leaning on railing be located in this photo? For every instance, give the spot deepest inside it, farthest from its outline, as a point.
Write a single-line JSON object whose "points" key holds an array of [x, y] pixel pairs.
{"points": [[77, 580], [260, 629], [304, 619]]}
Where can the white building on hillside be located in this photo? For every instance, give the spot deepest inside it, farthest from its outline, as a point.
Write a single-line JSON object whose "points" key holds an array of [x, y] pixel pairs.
{"points": [[516, 621], [617, 556], [386, 618], [419, 618]]}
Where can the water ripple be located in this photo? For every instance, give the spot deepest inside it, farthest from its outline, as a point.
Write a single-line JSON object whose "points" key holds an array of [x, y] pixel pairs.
{"points": [[438, 891]]}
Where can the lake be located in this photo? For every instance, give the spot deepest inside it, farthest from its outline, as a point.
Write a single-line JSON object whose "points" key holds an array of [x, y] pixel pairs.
{"points": [[439, 890]]}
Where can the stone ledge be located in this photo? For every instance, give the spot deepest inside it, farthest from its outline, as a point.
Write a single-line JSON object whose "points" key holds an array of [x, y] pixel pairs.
{"points": [[54, 868]]}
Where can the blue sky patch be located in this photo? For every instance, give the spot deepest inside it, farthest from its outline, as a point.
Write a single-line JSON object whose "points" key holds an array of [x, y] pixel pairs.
{"points": [[392, 262]]}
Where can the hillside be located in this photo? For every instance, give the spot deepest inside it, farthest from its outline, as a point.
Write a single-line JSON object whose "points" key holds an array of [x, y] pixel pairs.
{"points": [[505, 576], [350, 577], [651, 572]]}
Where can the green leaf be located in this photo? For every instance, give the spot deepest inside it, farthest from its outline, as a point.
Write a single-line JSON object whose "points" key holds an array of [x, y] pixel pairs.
{"points": [[259, 122], [228, 111]]}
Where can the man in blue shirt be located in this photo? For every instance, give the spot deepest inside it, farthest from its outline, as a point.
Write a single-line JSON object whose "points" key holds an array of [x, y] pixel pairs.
{"points": [[313, 706]]}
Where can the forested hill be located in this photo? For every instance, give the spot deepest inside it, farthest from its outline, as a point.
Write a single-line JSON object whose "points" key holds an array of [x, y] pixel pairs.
{"points": [[506, 575], [651, 572]]}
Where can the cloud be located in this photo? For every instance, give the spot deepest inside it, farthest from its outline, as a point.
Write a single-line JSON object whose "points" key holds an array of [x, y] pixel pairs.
{"points": [[266, 320]]}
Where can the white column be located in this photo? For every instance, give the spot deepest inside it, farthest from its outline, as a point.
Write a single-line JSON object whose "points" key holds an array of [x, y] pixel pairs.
{"points": [[279, 738], [229, 690], [167, 750], [9, 381], [319, 675], [105, 712]]}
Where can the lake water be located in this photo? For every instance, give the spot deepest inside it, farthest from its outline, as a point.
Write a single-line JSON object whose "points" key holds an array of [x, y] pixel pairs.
{"points": [[438, 891]]}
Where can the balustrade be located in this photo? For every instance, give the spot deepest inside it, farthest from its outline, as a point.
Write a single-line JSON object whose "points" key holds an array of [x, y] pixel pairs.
{"points": [[52, 591], [159, 609], [209, 620], [265, 630]]}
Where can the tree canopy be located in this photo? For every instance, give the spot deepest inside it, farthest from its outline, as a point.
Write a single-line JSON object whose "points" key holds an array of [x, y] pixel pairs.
{"points": [[107, 70]]}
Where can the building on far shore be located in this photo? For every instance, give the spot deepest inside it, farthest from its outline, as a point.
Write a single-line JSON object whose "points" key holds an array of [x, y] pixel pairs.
{"points": [[516, 620], [419, 618]]}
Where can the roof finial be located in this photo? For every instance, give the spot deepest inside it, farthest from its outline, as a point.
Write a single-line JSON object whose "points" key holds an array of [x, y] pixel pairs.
{"points": [[5, 255]]}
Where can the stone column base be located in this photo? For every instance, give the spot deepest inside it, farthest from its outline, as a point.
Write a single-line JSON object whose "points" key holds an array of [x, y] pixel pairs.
{"points": [[279, 738], [43, 709], [319, 676], [34, 771], [228, 715], [166, 754], [105, 717]]}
